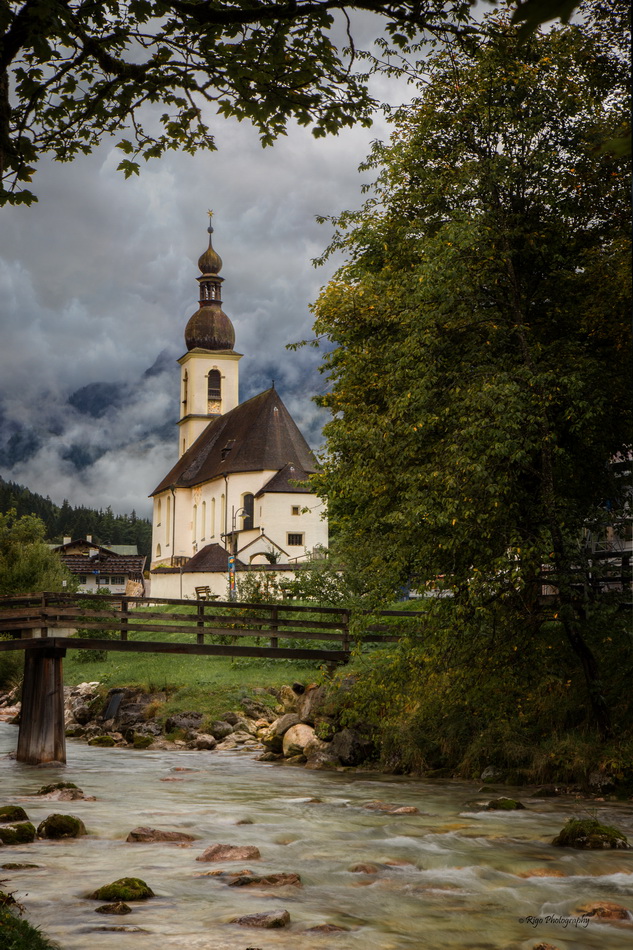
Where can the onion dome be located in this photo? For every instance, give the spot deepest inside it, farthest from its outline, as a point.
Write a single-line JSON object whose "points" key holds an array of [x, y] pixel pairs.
{"points": [[209, 328]]}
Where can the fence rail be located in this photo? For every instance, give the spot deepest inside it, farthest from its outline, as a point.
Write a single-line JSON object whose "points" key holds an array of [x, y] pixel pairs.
{"points": [[36, 621]]}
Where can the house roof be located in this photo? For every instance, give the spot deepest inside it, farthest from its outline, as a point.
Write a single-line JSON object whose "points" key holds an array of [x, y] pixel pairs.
{"points": [[105, 563], [212, 557], [283, 481], [257, 435]]}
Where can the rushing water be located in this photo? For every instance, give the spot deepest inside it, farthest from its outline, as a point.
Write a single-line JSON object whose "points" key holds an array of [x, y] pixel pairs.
{"points": [[449, 877]]}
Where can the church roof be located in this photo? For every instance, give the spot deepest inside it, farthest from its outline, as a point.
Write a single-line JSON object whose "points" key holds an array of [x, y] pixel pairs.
{"points": [[212, 557], [283, 481], [257, 435]]}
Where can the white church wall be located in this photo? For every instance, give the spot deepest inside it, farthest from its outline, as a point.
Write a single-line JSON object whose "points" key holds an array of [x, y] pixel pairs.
{"points": [[287, 522]]}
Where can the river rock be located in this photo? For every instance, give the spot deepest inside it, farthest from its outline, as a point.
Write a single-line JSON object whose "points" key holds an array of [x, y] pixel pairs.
{"points": [[289, 699], [271, 920], [268, 880], [11, 813], [257, 710], [310, 703], [604, 910], [151, 835], [204, 742], [492, 774], [391, 809], [57, 827], [351, 747], [326, 929], [322, 759], [589, 834], [17, 832], [364, 869], [118, 908], [220, 729], [187, 722], [124, 889], [273, 738], [229, 852], [296, 739]]}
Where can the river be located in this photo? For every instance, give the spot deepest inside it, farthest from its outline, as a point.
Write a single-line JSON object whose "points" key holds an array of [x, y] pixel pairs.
{"points": [[448, 877]]}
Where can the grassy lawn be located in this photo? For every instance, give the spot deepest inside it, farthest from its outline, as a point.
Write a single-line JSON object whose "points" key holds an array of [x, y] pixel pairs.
{"points": [[208, 684]]}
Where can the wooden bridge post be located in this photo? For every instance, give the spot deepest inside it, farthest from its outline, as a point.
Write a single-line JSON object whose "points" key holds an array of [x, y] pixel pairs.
{"points": [[42, 736]]}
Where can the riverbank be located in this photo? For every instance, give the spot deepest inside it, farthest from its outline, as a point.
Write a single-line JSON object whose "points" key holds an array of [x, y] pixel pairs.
{"points": [[433, 869]]}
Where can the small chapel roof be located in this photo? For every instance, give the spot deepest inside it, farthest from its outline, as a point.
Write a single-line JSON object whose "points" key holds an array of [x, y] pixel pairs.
{"points": [[258, 435], [284, 480]]}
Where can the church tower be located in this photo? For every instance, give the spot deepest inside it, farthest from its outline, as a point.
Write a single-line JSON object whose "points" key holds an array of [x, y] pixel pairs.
{"points": [[209, 376]]}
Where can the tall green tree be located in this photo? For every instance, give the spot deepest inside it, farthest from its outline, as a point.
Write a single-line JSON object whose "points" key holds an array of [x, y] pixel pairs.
{"points": [[481, 331], [72, 71], [27, 565]]}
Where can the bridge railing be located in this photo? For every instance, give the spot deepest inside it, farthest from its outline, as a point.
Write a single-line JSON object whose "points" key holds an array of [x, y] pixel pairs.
{"points": [[185, 626]]}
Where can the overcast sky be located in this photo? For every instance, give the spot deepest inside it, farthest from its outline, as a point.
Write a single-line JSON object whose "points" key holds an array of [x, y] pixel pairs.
{"points": [[98, 280]]}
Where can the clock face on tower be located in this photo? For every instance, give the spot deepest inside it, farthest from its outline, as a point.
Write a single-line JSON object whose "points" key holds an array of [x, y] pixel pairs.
{"points": [[214, 406]]}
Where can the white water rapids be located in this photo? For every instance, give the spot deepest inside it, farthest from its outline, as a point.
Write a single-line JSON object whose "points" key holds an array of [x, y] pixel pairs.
{"points": [[448, 877]]}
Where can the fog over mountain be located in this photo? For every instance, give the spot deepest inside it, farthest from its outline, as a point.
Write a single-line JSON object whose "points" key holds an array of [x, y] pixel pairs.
{"points": [[98, 280]]}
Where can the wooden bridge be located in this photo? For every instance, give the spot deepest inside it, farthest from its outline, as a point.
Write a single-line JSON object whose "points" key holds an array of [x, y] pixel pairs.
{"points": [[45, 625]]}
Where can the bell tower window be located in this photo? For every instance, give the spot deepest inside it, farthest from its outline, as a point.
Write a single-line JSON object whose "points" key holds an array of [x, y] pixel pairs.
{"points": [[215, 384]]}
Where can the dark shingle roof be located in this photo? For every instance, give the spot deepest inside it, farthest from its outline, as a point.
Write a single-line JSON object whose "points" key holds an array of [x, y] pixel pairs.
{"points": [[212, 557], [284, 480], [129, 565], [257, 435]]}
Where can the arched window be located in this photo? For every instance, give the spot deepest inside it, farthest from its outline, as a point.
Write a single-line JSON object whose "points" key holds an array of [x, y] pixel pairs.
{"points": [[167, 519], [215, 384], [212, 525], [158, 552], [223, 514], [159, 511], [194, 524], [248, 502], [203, 521]]}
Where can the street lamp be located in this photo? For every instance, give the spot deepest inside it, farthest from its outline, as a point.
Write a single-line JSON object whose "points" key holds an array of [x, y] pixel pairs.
{"points": [[240, 513]]}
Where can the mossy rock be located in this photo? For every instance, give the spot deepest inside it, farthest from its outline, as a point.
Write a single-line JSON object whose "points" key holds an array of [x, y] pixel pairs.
{"points": [[103, 741], [20, 832], [61, 826], [56, 787], [589, 834], [142, 742], [504, 804], [11, 813], [125, 889]]}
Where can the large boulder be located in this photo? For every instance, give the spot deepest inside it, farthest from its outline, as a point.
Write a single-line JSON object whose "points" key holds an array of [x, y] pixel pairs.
{"points": [[125, 889], [11, 813], [61, 826], [296, 739], [351, 747], [589, 834], [220, 729], [273, 738], [17, 832]]}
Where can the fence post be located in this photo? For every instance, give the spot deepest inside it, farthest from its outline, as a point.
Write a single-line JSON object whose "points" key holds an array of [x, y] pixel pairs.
{"points": [[200, 623], [345, 631], [274, 627], [124, 618]]}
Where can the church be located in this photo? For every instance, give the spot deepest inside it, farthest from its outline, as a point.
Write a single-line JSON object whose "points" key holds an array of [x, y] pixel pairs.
{"points": [[238, 498]]}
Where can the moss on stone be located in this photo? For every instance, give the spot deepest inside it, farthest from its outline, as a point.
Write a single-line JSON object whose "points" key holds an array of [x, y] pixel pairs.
{"points": [[125, 889], [589, 834], [55, 787], [102, 741], [20, 832], [11, 813], [61, 826], [142, 742], [504, 804]]}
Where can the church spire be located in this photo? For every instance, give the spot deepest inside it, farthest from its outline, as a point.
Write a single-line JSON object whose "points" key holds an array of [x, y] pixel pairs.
{"points": [[209, 328]]}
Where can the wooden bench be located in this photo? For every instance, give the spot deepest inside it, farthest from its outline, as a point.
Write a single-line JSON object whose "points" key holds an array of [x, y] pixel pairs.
{"points": [[203, 593]]}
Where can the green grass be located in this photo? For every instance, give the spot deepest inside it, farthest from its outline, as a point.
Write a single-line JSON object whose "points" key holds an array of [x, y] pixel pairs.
{"points": [[18, 934]]}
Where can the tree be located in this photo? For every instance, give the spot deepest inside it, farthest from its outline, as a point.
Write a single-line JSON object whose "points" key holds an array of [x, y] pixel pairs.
{"points": [[27, 564], [481, 332], [72, 71]]}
